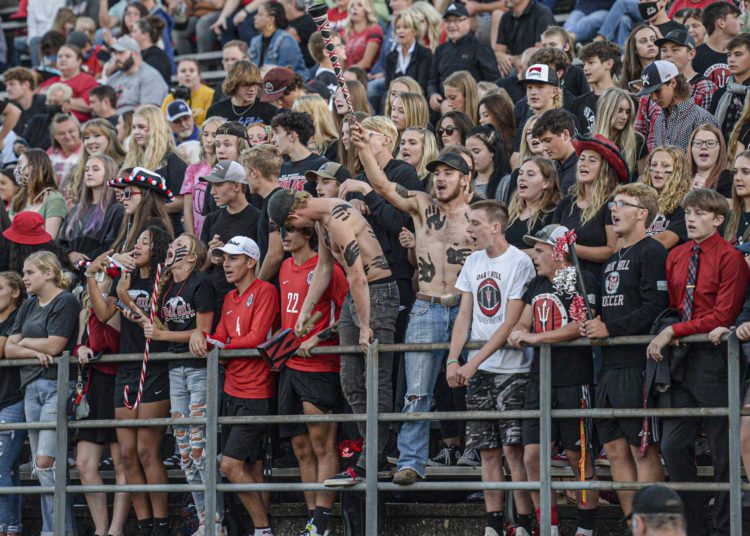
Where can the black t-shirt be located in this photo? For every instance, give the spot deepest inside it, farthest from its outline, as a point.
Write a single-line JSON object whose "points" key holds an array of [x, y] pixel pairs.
{"points": [[259, 112], [566, 171], [10, 379], [38, 106], [724, 184], [633, 293], [179, 307], [584, 108], [159, 60], [668, 26], [574, 81], [132, 339], [551, 311], [674, 222], [305, 26], [292, 174], [592, 233], [510, 84], [58, 318], [711, 64], [515, 232], [525, 31], [174, 173], [742, 227]]}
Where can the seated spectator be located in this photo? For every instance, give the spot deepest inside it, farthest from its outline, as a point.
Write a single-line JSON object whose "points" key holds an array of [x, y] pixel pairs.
{"points": [[48, 48], [185, 132], [408, 57], [39, 19], [119, 21], [103, 101], [574, 81], [67, 146], [301, 27], [20, 84], [243, 89], [291, 133], [452, 129], [462, 51], [708, 160], [274, 45], [201, 96], [8, 187], [680, 115], [418, 148], [729, 101], [555, 129], [282, 87], [640, 50], [136, 82], [363, 37], [146, 33], [91, 63], [694, 23], [338, 15], [586, 18], [39, 191], [198, 18], [37, 129], [69, 61], [231, 53], [235, 22], [614, 121], [601, 63], [721, 22], [325, 139], [520, 28], [625, 13], [679, 48], [460, 91]]}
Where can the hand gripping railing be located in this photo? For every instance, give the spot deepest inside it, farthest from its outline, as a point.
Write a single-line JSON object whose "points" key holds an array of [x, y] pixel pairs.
{"points": [[372, 417]]}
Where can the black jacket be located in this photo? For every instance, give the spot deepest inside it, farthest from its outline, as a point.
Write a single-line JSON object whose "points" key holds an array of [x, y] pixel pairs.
{"points": [[661, 374], [418, 69], [467, 54]]}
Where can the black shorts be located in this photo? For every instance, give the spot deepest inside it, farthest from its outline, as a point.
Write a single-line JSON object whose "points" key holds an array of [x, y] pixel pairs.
{"points": [[565, 431], [155, 388], [622, 389], [244, 441], [321, 389], [101, 406]]}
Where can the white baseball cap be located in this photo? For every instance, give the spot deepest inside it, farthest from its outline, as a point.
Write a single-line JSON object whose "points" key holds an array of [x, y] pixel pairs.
{"points": [[240, 245]]}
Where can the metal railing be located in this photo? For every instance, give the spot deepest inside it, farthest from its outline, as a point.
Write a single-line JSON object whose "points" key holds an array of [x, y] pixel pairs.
{"points": [[372, 487]]}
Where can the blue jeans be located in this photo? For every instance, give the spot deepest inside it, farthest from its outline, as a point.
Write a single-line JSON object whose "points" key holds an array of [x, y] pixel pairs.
{"points": [[187, 394], [11, 442], [619, 21], [583, 25], [40, 404], [427, 323]]}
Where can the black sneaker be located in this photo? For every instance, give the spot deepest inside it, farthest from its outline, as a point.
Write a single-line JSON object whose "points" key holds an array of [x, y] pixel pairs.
{"points": [[447, 457], [348, 477]]}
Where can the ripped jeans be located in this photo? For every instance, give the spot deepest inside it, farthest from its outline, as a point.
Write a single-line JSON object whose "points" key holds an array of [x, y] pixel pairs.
{"points": [[11, 442], [187, 393], [427, 323], [40, 405]]}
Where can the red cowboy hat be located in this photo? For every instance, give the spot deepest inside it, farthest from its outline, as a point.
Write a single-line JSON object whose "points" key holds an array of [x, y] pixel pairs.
{"points": [[28, 229], [608, 151], [144, 178]]}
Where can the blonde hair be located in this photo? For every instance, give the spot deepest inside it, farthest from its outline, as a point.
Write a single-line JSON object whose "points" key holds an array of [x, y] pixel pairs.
{"points": [[431, 19], [679, 183], [546, 203], [524, 151], [317, 108], [372, 17], [464, 82], [409, 18], [213, 120], [429, 149], [383, 125], [160, 141], [267, 159], [46, 261], [606, 109], [412, 86], [416, 109], [602, 190], [242, 72], [114, 150], [737, 209]]}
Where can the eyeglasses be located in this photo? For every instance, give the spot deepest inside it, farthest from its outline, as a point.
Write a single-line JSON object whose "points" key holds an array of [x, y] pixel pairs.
{"points": [[127, 193], [710, 144], [446, 130], [621, 204]]}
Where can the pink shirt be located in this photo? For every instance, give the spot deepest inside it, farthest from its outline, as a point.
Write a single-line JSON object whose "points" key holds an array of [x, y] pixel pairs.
{"points": [[191, 185]]}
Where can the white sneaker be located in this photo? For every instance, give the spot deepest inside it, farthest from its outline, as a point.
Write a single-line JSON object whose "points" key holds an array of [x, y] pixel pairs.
{"points": [[489, 531]]}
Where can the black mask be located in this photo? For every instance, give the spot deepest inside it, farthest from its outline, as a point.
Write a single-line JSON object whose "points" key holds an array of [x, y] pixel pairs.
{"points": [[648, 9], [54, 109]]}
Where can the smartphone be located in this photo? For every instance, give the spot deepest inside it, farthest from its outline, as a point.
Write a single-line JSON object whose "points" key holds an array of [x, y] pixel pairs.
{"points": [[124, 308]]}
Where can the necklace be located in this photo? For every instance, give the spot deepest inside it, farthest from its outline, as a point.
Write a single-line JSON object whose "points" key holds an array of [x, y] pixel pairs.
{"points": [[179, 292], [240, 114], [623, 252]]}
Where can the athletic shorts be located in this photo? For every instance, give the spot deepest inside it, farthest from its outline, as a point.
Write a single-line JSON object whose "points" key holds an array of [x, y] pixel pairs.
{"points": [[488, 391], [622, 389], [101, 406], [155, 388], [321, 389], [245, 441], [565, 431]]}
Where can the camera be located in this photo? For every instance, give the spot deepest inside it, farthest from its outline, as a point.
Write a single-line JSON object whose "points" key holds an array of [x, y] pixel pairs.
{"points": [[181, 92]]}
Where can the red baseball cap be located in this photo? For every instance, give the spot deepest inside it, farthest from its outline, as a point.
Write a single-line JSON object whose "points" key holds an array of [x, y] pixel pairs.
{"points": [[28, 229], [276, 82]]}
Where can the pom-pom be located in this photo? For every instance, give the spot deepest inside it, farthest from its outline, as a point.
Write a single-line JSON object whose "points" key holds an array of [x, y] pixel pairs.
{"points": [[565, 281], [577, 309]]}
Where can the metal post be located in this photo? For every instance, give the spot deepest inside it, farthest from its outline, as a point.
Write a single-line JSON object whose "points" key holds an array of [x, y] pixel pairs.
{"points": [[371, 490], [545, 427], [211, 433], [735, 471], [61, 445]]}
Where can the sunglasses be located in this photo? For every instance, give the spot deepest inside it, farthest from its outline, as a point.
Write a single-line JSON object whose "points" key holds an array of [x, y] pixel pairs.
{"points": [[127, 193], [446, 130]]}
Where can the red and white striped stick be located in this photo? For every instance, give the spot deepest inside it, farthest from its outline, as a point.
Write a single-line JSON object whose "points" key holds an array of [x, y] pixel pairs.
{"points": [[151, 314], [319, 14]]}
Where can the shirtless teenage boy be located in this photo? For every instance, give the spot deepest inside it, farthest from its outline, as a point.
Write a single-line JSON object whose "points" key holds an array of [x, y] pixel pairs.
{"points": [[369, 310]]}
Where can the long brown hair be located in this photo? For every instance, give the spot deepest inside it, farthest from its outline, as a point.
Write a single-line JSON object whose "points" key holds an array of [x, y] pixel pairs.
{"points": [[720, 165], [41, 178], [549, 199], [151, 208], [499, 106], [738, 208], [631, 64]]}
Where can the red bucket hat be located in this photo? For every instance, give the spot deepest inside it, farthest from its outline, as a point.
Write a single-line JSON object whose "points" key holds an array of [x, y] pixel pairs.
{"points": [[608, 151], [143, 178], [28, 229]]}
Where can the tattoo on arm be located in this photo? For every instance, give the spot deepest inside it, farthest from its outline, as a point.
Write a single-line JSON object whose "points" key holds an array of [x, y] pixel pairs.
{"points": [[341, 212], [433, 219], [379, 262], [457, 256], [403, 192], [426, 269], [370, 231], [351, 253]]}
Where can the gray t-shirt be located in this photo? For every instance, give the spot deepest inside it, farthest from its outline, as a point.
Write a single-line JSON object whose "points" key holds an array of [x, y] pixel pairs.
{"points": [[144, 86], [58, 318]]}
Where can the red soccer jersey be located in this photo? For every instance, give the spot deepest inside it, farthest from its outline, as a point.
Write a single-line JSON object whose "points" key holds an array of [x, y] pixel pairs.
{"points": [[294, 282], [246, 321]]}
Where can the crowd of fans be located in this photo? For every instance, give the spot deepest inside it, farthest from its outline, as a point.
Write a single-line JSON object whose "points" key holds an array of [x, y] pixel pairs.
{"points": [[144, 207]]}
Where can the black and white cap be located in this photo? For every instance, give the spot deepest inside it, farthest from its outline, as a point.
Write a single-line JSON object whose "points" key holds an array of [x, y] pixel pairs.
{"points": [[655, 75], [540, 73]]}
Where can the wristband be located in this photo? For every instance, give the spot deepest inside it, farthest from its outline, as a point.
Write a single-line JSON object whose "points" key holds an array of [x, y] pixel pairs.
{"points": [[451, 361]]}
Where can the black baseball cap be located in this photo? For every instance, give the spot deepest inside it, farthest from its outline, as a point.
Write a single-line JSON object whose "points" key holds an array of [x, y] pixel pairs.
{"points": [[655, 75], [454, 160], [280, 206], [232, 128], [657, 499], [456, 9], [679, 37]]}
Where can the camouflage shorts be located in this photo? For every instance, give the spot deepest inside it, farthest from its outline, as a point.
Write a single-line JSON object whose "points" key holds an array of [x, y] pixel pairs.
{"points": [[488, 391]]}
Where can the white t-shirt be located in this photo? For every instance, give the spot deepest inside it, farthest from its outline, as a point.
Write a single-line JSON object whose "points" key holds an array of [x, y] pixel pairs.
{"points": [[493, 281]]}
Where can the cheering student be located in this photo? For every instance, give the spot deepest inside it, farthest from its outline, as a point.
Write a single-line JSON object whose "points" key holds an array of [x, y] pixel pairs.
{"points": [[291, 133], [632, 295], [246, 319], [706, 278]]}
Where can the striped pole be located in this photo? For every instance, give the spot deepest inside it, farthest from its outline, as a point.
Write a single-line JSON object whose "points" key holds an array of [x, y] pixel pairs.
{"points": [[319, 14]]}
